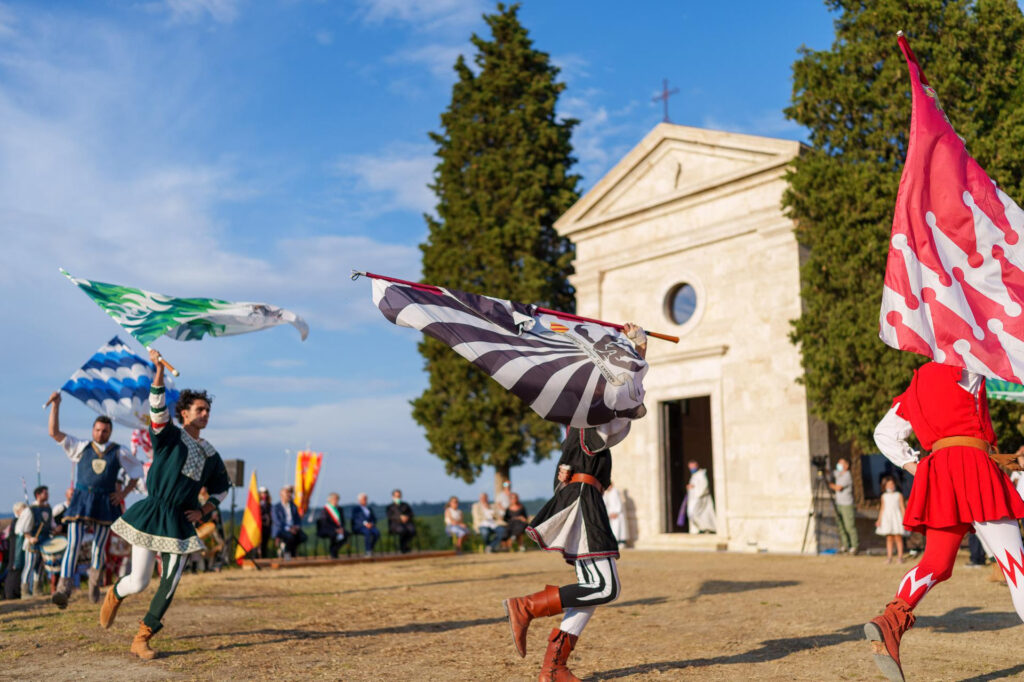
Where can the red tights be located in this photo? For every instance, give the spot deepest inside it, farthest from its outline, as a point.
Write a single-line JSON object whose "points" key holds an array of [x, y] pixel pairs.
{"points": [[941, 546]]}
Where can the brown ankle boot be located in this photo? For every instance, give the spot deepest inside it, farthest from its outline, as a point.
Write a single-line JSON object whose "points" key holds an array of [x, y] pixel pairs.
{"points": [[560, 645], [95, 579], [521, 610], [109, 609], [62, 593], [885, 632], [140, 645]]}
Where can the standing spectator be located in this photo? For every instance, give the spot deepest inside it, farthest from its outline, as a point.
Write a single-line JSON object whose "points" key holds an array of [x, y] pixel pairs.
{"points": [[400, 521], [616, 514], [287, 524], [364, 522], [846, 516], [266, 521], [35, 524], [16, 542], [485, 521], [517, 520], [890, 519], [700, 507], [453, 523], [330, 524]]}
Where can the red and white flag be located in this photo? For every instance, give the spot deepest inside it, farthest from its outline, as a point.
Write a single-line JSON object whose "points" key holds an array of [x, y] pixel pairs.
{"points": [[954, 281]]}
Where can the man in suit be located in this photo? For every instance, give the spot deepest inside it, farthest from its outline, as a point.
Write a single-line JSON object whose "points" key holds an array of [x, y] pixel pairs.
{"points": [[400, 521], [287, 524], [364, 522], [330, 524]]}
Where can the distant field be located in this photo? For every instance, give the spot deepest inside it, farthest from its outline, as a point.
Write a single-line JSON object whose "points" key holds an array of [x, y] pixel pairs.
{"points": [[681, 616]]}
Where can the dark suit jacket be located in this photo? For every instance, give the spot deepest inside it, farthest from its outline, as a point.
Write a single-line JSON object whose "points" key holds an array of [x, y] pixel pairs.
{"points": [[278, 527], [395, 512], [358, 518], [325, 525]]}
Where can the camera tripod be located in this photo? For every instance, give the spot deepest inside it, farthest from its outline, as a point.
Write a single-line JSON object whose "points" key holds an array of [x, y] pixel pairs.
{"points": [[819, 503]]}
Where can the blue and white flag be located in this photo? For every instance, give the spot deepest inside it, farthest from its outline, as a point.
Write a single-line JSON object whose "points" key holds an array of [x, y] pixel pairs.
{"points": [[115, 382]]}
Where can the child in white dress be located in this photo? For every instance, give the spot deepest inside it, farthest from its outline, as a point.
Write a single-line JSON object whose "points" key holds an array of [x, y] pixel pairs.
{"points": [[890, 519]]}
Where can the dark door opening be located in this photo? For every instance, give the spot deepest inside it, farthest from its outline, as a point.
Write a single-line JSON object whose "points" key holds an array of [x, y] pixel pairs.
{"points": [[686, 435]]}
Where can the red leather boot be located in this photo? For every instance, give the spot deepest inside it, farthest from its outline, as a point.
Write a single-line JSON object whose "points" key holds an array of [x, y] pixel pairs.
{"points": [[885, 632], [560, 645], [522, 610]]}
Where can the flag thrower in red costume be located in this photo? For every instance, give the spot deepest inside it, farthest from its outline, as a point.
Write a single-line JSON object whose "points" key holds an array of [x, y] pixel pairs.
{"points": [[952, 292]]}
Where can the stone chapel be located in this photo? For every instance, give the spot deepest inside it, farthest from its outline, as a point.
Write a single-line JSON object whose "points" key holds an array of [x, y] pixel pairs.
{"points": [[686, 236]]}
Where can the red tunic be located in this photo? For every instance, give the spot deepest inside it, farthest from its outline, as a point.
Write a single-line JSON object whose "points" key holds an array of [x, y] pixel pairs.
{"points": [[957, 484]]}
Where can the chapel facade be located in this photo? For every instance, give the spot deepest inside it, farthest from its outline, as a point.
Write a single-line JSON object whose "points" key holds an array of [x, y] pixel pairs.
{"points": [[686, 235]]}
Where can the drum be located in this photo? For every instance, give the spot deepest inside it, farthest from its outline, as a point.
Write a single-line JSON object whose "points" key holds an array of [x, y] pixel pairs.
{"points": [[52, 552]]}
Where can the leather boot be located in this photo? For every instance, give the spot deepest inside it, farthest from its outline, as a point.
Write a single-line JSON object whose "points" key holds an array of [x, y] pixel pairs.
{"points": [[885, 632], [140, 645], [95, 578], [560, 645], [109, 609], [62, 593], [522, 610]]}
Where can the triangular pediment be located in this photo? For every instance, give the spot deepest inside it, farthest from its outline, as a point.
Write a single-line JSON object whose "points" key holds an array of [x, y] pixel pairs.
{"points": [[671, 162]]}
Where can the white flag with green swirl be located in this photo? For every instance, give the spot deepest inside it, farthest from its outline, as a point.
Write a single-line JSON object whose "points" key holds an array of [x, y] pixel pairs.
{"points": [[148, 316]]}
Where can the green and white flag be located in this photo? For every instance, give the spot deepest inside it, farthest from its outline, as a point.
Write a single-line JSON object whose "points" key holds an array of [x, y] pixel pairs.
{"points": [[148, 316], [1004, 390]]}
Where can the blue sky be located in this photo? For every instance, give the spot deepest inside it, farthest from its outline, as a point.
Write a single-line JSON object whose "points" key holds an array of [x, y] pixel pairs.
{"points": [[261, 150]]}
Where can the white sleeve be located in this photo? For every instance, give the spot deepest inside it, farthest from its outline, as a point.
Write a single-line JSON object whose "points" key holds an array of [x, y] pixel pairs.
{"points": [[24, 524], [220, 496], [891, 438], [73, 447], [131, 466]]}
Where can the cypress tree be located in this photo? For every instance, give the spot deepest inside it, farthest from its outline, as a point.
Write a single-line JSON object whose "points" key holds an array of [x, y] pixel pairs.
{"points": [[502, 179], [855, 100]]}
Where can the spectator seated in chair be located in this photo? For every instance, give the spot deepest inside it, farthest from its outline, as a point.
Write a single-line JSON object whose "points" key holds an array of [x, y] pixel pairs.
{"points": [[364, 522], [330, 524], [487, 525], [287, 525], [400, 521]]}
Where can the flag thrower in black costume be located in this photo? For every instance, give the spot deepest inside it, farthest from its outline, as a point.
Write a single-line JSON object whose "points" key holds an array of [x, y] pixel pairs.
{"points": [[586, 374], [569, 369]]}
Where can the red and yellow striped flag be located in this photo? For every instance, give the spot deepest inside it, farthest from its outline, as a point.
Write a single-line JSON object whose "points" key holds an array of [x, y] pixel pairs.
{"points": [[251, 533], [307, 468]]}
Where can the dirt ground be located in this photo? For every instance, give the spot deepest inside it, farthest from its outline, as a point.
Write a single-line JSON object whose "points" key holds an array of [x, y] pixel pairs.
{"points": [[680, 616]]}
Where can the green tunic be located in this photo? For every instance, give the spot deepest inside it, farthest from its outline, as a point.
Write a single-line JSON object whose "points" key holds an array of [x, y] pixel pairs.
{"points": [[181, 466]]}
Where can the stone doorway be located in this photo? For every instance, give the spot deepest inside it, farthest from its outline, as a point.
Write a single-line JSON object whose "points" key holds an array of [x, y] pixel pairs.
{"points": [[686, 435]]}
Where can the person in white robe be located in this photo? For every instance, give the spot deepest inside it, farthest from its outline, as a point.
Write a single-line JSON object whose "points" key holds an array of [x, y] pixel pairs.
{"points": [[700, 508], [616, 514]]}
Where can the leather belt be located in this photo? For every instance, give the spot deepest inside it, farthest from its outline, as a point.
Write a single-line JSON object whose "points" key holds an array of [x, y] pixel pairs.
{"points": [[965, 441], [1003, 459], [588, 479]]}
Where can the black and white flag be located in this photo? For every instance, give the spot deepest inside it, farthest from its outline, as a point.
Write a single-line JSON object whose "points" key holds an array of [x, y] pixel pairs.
{"points": [[577, 373]]}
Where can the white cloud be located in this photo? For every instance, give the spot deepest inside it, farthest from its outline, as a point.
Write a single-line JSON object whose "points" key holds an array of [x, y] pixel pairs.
{"points": [[571, 66], [192, 11], [436, 58], [424, 15], [7, 21], [394, 179], [602, 137], [770, 123], [293, 384], [324, 37]]}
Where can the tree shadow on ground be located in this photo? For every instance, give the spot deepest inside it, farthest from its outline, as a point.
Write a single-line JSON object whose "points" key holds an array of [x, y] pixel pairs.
{"points": [[357, 590], [963, 619], [1004, 674], [15, 605], [293, 634], [647, 601], [709, 587]]}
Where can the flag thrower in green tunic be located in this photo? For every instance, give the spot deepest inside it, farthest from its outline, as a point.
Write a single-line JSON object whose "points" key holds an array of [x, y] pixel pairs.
{"points": [[148, 316]]}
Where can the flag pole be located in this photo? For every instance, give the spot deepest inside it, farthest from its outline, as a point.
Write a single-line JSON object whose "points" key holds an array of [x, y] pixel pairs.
{"points": [[167, 365], [430, 288]]}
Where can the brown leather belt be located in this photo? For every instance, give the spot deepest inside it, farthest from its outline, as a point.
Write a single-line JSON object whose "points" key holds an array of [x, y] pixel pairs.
{"points": [[1003, 459], [588, 479], [966, 441]]}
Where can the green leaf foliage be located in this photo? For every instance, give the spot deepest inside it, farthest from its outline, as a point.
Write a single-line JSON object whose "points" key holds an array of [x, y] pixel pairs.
{"points": [[854, 98], [502, 179]]}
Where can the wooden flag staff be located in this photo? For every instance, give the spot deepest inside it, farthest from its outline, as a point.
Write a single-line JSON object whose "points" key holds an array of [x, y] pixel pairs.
{"points": [[356, 274]]}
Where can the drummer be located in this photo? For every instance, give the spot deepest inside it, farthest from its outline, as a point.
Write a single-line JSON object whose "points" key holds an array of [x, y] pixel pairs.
{"points": [[36, 525], [97, 498]]}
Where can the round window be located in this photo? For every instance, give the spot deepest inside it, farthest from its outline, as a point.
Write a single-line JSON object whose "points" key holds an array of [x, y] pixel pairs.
{"points": [[681, 303]]}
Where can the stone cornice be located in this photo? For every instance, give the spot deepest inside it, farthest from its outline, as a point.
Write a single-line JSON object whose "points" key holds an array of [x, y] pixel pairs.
{"points": [[691, 354]]}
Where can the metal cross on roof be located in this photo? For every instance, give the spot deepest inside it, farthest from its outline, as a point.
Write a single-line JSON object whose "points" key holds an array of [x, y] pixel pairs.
{"points": [[665, 94]]}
